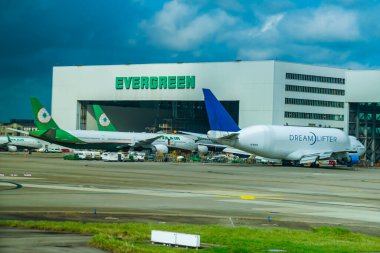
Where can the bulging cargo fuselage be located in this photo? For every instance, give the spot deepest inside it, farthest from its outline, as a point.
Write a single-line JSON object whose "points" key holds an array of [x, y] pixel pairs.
{"points": [[285, 142]]}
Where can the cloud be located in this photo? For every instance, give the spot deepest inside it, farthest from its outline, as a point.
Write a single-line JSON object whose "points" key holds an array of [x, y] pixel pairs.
{"points": [[323, 24], [231, 5], [271, 22], [257, 54], [181, 27]]}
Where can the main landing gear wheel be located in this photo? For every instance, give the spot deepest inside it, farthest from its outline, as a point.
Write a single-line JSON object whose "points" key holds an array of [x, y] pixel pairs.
{"points": [[314, 165]]}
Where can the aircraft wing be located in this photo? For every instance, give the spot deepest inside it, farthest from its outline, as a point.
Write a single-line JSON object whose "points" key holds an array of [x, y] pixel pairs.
{"points": [[309, 159], [236, 151], [310, 156], [145, 142], [18, 131], [217, 134]]}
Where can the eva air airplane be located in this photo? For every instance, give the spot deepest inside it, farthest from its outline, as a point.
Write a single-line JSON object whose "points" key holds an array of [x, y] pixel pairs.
{"points": [[162, 144], [49, 131]]}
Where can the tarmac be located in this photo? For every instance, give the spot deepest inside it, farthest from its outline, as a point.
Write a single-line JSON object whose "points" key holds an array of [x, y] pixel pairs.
{"points": [[15, 240], [46, 187]]}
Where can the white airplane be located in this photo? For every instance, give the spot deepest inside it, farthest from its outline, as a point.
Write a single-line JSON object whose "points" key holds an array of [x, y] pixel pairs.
{"points": [[162, 144], [49, 131], [291, 144], [14, 143]]}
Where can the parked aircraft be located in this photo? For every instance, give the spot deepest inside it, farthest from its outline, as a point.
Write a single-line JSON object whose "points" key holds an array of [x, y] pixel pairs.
{"points": [[15, 143], [49, 131], [291, 144], [163, 144]]}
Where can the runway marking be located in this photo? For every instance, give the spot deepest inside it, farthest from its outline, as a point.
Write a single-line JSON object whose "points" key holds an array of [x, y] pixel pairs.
{"points": [[146, 192], [247, 197], [7, 183]]}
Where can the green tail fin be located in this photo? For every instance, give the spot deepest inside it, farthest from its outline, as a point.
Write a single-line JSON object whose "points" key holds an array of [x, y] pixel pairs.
{"points": [[104, 124], [42, 118]]}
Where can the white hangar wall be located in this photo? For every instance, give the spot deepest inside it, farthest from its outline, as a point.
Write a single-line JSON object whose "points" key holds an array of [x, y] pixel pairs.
{"points": [[249, 82], [259, 86], [363, 86]]}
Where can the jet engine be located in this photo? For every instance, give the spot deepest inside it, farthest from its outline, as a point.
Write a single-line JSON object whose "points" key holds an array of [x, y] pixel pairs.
{"points": [[349, 159], [160, 148], [12, 148], [354, 159], [202, 149]]}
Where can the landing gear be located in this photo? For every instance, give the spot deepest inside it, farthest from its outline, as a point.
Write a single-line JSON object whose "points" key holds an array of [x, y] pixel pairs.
{"points": [[291, 163], [297, 164], [314, 165], [286, 163]]}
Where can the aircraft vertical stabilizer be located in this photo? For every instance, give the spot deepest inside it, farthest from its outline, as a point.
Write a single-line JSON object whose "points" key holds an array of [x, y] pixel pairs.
{"points": [[104, 123], [42, 118], [218, 117]]}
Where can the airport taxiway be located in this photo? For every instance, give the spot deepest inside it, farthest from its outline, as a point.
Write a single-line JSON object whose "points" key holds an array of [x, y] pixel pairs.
{"points": [[226, 194]]}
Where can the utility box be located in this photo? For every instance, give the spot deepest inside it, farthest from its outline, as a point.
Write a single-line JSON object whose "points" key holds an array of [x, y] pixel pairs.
{"points": [[175, 239], [188, 240]]}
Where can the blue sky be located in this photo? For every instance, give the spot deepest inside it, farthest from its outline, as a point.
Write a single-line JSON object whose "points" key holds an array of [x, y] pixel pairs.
{"points": [[39, 34]]}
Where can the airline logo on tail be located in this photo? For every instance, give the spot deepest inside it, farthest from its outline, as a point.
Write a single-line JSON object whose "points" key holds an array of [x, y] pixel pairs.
{"points": [[104, 120], [43, 116]]}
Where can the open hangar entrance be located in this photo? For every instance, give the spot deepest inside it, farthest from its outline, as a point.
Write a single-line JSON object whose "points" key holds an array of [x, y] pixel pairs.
{"points": [[154, 116]]}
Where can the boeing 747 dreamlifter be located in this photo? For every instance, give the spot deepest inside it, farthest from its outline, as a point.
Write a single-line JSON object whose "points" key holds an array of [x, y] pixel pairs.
{"points": [[291, 144]]}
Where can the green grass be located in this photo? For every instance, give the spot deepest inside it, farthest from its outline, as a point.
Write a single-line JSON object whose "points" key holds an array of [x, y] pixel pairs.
{"points": [[134, 237]]}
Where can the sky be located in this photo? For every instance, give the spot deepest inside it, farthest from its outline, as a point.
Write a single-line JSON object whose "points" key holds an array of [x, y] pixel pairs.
{"points": [[39, 34]]}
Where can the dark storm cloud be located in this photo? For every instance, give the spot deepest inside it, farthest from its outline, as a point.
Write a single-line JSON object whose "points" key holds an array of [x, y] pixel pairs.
{"points": [[39, 34]]}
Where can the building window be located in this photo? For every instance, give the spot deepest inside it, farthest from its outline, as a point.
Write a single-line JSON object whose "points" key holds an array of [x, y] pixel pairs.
{"points": [[320, 116], [308, 89], [312, 78], [310, 102]]}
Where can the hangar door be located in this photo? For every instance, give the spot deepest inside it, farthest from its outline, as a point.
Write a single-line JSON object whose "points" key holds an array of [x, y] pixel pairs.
{"points": [[154, 116]]}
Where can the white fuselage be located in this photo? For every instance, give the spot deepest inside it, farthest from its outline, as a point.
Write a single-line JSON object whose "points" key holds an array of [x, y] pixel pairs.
{"points": [[95, 137], [169, 140], [356, 146], [285, 142], [177, 141], [21, 142]]}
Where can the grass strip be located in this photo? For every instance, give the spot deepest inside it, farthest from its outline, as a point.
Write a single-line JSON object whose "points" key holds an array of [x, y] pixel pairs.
{"points": [[134, 237]]}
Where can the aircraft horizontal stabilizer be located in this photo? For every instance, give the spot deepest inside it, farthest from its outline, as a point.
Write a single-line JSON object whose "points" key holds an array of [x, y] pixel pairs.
{"points": [[221, 135], [196, 135], [230, 136]]}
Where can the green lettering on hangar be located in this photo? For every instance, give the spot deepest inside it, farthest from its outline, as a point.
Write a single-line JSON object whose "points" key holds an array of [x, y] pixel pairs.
{"points": [[154, 82]]}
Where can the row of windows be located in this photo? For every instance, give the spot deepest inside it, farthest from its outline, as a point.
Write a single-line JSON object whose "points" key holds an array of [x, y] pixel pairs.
{"points": [[307, 115], [311, 78], [318, 90], [296, 101]]}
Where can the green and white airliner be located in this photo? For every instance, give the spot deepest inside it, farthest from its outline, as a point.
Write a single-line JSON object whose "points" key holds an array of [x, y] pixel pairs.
{"points": [[162, 144], [49, 131]]}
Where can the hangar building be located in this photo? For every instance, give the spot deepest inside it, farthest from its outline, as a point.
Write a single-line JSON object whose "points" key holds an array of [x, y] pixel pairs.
{"points": [[168, 97]]}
